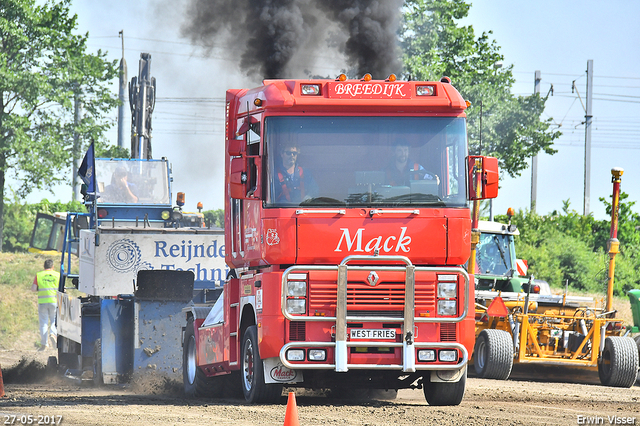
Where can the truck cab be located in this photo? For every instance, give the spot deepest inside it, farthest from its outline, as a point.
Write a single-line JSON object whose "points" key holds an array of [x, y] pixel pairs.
{"points": [[347, 223]]}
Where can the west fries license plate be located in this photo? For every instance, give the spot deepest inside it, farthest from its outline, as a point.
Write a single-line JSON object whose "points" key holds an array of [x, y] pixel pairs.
{"points": [[364, 333]]}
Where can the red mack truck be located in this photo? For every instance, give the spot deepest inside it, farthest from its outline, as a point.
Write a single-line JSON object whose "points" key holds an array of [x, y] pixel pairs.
{"points": [[347, 223]]}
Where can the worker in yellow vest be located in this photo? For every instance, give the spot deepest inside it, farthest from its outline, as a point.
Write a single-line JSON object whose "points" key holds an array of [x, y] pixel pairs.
{"points": [[46, 284]]}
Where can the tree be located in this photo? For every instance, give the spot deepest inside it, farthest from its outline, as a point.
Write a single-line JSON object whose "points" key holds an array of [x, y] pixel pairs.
{"points": [[44, 68], [434, 46]]}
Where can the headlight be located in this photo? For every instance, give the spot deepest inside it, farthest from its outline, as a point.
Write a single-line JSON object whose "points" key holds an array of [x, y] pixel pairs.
{"points": [[447, 290], [317, 355], [447, 355], [295, 355], [447, 307], [296, 306], [296, 288], [426, 355]]}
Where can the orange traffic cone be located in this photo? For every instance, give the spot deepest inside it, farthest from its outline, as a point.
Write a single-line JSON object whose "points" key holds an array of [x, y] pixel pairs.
{"points": [[291, 416], [1, 384]]}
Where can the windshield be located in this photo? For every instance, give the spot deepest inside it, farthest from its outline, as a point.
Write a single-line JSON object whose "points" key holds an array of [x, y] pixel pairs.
{"points": [[132, 181], [493, 256], [365, 161]]}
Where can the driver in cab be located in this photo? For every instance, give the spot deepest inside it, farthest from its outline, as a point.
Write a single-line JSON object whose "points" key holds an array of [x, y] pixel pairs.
{"points": [[401, 170], [293, 183]]}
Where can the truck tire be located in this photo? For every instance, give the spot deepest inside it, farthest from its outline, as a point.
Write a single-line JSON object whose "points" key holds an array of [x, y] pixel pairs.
{"points": [[493, 354], [254, 388], [97, 363], [196, 383], [441, 393], [618, 364]]}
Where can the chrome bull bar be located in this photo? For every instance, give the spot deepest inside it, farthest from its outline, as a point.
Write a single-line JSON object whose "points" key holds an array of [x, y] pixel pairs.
{"points": [[408, 321]]}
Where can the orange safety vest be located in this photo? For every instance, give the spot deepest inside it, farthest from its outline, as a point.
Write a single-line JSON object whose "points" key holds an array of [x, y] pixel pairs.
{"points": [[285, 189]]}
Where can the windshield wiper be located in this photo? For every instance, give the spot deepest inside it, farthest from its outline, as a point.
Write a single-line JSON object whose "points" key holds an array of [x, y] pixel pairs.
{"points": [[495, 240], [416, 199], [322, 201]]}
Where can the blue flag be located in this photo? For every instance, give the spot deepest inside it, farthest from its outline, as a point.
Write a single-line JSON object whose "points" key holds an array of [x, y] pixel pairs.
{"points": [[87, 170]]}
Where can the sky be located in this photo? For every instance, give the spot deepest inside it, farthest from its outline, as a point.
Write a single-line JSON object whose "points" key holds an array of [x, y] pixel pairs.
{"points": [[555, 37]]}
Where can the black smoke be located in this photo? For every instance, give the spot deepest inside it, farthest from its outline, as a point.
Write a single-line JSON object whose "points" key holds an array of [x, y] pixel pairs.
{"points": [[264, 36]]}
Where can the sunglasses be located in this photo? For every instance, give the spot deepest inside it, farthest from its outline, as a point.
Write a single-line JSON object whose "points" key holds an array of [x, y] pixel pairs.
{"points": [[292, 153]]}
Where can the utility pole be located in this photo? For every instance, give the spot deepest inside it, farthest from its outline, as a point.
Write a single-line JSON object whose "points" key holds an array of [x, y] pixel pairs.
{"points": [[77, 117], [534, 159], [122, 94], [587, 136]]}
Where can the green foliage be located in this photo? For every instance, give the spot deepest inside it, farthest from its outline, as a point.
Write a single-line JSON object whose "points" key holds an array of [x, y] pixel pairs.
{"points": [[566, 245], [434, 46], [112, 151], [45, 69], [20, 218], [214, 218], [18, 304]]}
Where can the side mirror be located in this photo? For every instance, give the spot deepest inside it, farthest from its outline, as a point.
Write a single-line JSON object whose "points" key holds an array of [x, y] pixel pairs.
{"points": [[238, 178], [483, 171], [236, 147]]}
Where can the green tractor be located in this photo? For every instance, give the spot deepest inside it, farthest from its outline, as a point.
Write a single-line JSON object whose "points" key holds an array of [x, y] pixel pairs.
{"points": [[496, 265]]}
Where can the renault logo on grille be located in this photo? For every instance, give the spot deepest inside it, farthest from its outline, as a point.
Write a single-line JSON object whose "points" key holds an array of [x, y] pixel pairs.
{"points": [[373, 278]]}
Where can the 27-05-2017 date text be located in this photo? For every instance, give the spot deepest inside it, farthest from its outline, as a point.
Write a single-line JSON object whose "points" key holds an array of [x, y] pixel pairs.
{"points": [[30, 419]]}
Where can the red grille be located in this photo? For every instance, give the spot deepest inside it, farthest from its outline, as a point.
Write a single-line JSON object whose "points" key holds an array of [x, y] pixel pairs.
{"points": [[385, 296], [448, 332], [297, 331]]}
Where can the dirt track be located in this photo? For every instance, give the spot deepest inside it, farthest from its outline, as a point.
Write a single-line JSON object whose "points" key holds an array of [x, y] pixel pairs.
{"points": [[486, 402]]}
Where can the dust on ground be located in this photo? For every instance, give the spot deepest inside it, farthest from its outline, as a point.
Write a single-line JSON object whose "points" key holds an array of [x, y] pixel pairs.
{"points": [[154, 401]]}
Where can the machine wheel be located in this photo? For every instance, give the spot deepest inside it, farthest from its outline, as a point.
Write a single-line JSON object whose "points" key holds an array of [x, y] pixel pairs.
{"points": [[252, 370], [66, 360], [97, 363], [618, 364], [196, 383], [440, 393], [637, 339], [493, 354], [52, 366]]}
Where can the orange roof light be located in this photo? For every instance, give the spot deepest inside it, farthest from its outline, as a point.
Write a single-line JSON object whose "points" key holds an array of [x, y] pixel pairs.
{"points": [[180, 199], [468, 103], [511, 212], [257, 102], [391, 78], [367, 77], [341, 77]]}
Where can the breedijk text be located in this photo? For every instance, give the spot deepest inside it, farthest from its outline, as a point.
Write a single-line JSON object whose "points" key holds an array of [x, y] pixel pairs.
{"points": [[188, 251]]}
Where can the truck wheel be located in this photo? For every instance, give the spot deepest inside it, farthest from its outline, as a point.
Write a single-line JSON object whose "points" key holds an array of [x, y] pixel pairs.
{"points": [[252, 371], [196, 383], [493, 354], [618, 364], [97, 363], [441, 393]]}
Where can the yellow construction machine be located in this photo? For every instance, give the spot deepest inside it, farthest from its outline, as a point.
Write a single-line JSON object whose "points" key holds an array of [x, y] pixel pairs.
{"points": [[555, 330]]}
